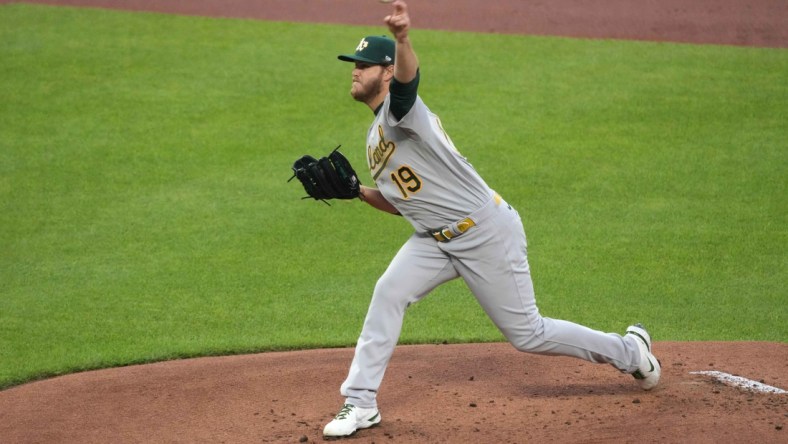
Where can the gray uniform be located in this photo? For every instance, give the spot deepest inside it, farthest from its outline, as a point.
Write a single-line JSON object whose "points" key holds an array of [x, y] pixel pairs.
{"points": [[417, 168]]}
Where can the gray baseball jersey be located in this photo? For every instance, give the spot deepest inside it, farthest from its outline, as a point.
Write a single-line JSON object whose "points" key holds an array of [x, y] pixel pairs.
{"points": [[417, 168]]}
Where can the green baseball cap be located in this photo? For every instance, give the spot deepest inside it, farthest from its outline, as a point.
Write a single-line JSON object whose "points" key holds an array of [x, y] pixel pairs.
{"points": [[374, 49]]}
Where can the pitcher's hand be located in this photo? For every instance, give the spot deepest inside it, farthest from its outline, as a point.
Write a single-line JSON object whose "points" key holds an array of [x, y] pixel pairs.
{"points": [[399, 21]]}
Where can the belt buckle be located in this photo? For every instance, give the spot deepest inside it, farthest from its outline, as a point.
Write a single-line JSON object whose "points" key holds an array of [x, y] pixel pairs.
{"points": [[439, 235], [445, 234]]}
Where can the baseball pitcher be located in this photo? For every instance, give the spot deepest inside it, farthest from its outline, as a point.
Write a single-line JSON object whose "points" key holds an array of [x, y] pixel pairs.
{"points": [[462, 228]]}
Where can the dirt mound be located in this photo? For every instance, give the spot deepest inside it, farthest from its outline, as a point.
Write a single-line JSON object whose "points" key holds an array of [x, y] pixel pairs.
{"points": [[478, 393]]}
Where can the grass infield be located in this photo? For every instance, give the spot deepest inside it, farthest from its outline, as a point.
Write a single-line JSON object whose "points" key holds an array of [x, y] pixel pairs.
{"points": [[145, 214]]}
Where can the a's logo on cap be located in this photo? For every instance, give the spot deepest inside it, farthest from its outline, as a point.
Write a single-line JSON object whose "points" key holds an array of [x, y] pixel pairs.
{"points": [[361, 45], [388, 59]]}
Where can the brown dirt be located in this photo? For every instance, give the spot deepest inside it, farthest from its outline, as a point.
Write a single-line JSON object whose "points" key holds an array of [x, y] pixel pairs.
{"points": [[480, 393], [733, 22]]}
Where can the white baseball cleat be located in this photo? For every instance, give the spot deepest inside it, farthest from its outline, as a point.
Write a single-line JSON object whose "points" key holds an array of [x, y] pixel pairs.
{"points": [[350, 419], [649, 370]]}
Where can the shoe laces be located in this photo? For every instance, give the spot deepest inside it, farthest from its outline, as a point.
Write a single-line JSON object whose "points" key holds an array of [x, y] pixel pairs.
{"points": [[345, 411]]}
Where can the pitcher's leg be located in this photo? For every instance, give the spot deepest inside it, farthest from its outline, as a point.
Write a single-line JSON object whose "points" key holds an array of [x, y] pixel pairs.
{"points": [[499, 275], [417, 268], [566, 338]]}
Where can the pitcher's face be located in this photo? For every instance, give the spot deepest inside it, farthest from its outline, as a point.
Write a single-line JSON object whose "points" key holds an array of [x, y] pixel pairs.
{"points": [[368, 81]]}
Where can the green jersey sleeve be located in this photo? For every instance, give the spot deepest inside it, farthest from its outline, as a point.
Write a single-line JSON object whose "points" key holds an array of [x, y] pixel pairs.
{"points": [[403, 96]]}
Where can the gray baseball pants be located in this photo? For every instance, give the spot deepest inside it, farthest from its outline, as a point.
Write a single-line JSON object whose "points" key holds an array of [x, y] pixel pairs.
{"points": [[492, 259]]}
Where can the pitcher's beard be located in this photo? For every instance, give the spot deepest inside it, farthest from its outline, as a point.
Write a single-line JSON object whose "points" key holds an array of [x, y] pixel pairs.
{"points": [[362, 94]]}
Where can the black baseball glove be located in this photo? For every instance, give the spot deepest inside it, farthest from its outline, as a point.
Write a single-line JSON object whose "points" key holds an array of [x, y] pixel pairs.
{"points": [[330, 177]]}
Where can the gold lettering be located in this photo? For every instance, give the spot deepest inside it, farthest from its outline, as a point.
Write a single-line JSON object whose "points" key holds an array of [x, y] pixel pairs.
{"points": [[380, 154]]}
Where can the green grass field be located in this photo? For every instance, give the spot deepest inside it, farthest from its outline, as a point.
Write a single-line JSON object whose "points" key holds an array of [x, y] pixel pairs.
{"points": [[145, 213]]}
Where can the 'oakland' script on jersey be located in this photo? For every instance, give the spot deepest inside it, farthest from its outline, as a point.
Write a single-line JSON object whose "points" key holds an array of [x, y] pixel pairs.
{"points": [[380, 154]]}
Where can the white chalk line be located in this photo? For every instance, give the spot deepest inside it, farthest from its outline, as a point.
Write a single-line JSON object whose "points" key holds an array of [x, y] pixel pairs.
{"points": [[738, 381]]}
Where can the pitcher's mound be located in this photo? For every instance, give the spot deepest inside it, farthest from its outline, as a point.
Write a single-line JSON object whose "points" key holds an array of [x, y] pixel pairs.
{"points": [[476, 393]]}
